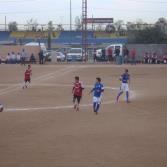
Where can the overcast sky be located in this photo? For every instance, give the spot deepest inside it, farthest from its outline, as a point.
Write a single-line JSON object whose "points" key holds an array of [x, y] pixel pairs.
{"points": [[58, 10]]}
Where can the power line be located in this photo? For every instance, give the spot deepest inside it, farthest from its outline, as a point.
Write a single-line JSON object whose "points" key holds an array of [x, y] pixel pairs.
{"points": [[31, 12], [17, 1], [90, 8], [128, 10], [149, 1]]}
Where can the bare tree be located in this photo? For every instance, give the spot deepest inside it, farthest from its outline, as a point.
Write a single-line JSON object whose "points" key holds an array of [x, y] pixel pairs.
{"points": [[162, 24], [140, 24], [137, 25], [110, 28], [119, 25], [99, 27], [78, 23], [59, 27], [130, 26], [50, 30], [50, 26]]}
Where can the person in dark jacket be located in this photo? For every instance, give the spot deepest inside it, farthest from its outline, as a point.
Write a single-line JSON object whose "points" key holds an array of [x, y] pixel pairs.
{"points": [[41, 57]]}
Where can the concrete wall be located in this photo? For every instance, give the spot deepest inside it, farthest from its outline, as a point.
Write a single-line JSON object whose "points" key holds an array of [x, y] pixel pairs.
{"points": [[160, 49], [5, 49]]}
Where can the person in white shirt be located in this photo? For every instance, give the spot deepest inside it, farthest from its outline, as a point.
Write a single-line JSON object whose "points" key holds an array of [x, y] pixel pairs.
{"points": [[8, 59], [13, 56], [18, 58], [11, 60]]}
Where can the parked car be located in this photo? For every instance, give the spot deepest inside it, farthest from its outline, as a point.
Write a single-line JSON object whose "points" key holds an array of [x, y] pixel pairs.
{"points": [[47, 55], [75, 54], [60, 56]]}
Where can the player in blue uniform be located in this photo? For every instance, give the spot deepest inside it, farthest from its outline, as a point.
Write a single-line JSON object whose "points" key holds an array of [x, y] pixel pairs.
{"points": [[98, 91], [125, 80]]}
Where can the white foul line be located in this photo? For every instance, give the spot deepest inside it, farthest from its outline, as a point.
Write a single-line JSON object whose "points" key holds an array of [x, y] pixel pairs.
{"points": [[63, 107], [52, 108]]}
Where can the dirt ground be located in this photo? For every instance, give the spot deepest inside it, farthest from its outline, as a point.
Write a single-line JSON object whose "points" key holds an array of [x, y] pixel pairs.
{"points": [[39, 127]]}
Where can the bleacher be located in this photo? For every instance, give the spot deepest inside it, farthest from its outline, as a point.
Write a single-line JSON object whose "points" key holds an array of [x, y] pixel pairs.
{"points": [[4, 36], [55, 34], [103, 34], [17, 34], [74, 34], [64, 37], [71, 37], [33, 35]]}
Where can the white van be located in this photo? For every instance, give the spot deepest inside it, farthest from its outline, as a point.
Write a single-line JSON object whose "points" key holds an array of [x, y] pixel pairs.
{"points": [[113, 47], [98, 52], [100, 55], [75, 54]]}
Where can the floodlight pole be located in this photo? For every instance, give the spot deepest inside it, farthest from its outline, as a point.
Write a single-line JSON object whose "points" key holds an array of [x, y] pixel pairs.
{"points": [[70, 17], [84, 30], [5, 24]]}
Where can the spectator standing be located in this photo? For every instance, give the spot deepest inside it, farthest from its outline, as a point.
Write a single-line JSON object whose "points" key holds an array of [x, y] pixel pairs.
{"points": [[103, 54], [165, 59], [125, 55], [117, 54], [18, 58], [13, 58], [41, 57], [154, 58], [23, 57], [94, 55], [8, 59], [133, 56], [32, 59], [158, 59], [150, 58], [146, 58], [110, 58]]}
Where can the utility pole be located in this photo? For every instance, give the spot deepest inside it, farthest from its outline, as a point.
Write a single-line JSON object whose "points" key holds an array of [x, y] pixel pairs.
{"points": [[5, 24], [70, 17]]}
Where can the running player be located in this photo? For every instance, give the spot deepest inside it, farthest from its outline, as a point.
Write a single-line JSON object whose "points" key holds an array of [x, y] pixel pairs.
{"points": [[125, 79], [77, 93], [98, 90], [27, 77]]}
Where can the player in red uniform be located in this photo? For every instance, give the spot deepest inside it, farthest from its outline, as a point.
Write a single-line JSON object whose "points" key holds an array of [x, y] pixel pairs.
{"points": [[77, 93], [27, 76]]}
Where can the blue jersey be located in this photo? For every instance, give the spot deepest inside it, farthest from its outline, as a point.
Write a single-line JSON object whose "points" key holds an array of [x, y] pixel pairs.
{"points": [[125, 78], [98, 89]]}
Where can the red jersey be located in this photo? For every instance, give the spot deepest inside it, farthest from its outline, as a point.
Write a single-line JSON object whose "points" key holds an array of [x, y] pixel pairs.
{"points": [[110, 51], [133, 52], [77, 89], [27, 74]]}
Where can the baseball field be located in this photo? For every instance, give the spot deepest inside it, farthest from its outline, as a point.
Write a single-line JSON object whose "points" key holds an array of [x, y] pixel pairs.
{"points": [[39, 128]]}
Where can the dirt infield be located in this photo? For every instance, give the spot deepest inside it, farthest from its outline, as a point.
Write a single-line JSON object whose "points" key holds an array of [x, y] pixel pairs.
{"points": [[39, 127]]}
